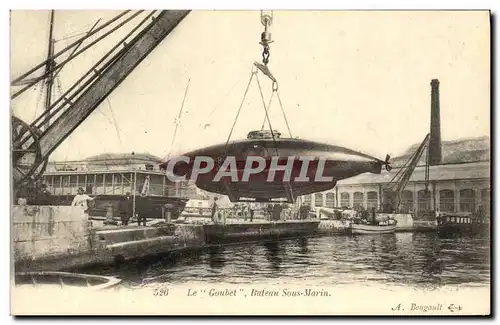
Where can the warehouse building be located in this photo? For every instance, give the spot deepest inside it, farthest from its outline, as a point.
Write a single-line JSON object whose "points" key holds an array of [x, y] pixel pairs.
{"points": [[459, 177]]}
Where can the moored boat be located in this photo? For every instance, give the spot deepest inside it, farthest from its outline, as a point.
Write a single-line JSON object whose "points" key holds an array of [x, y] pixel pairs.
{"points": [[461, 223], [253, 231], [65, 280]]}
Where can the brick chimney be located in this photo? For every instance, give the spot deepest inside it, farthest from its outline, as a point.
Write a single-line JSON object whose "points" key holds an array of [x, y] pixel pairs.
{"points": [[435, 140]]}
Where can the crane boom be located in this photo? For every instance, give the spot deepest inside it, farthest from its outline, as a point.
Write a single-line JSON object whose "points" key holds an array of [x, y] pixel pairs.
{"points": [[122, 64], [110, 79], [396, 186]]}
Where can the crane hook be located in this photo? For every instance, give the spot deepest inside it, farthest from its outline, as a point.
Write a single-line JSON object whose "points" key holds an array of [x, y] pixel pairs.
{"points": [[266, 18]]}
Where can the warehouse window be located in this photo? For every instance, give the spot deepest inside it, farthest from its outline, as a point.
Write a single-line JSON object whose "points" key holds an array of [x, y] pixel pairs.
{"points": [[307, 199], [467, 200], [330, 200], [485, 202], [372, 200], [345, 200], [406, 202], [424, 201], [446, 201], [318, 200], [358, 203]]}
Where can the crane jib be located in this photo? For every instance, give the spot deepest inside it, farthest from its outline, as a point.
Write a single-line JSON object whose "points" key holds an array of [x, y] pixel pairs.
{"points": [[122, 65]]}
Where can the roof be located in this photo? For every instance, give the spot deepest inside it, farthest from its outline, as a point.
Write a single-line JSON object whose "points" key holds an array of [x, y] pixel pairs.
{"points": [[121, 157], [475, 170], [453, 152]]}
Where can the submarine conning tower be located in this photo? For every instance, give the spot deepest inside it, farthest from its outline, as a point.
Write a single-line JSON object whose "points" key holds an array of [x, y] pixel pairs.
{"points": [[435, 156]]}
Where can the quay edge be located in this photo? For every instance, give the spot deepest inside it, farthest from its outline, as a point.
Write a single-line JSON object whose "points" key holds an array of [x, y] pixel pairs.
{"points": [[54, 238]]}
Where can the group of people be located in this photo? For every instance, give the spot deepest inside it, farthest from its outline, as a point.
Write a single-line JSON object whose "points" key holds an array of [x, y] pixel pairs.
{"points": [[127, 209], [275, 212], [36, 194], [242, 211]]}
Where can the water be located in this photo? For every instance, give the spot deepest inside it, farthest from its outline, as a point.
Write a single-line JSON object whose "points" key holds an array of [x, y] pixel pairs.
{"points": [[402, 259]]}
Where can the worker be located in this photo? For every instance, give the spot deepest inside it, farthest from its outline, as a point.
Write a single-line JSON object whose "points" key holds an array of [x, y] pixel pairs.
{"points": [[22, 195], [214, 209], [82, 200], [141, 209], [374, 215], [245, 212], [126, 209], [43, 196], [252, 211]]}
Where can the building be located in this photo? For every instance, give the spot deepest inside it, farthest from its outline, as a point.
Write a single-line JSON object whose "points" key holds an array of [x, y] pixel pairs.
{"points": [[110, 177], [459, 177], [460, 187], [110, 174]]}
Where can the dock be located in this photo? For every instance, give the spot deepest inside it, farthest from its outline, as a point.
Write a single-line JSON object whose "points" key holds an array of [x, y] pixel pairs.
{"points": [[56, 238]]}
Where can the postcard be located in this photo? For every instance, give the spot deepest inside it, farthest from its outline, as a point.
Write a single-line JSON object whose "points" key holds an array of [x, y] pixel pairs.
{"points": [[259, 162]]}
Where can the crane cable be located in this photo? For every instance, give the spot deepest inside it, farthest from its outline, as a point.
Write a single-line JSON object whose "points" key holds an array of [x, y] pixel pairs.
{"points": [[266, 20], [275, 90], [267, 117]]}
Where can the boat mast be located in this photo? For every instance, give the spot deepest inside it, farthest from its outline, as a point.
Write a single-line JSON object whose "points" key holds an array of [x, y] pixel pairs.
{"points": [[49, 67]]}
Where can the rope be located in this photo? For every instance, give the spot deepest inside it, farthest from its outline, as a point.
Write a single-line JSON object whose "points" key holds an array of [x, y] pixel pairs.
{"points": [[269, 108], [39, 98], [267, 115], [254, 73], [284, 115]]}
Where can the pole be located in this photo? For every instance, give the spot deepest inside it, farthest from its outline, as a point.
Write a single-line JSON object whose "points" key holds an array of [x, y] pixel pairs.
{"points": [[49, 67], [135, 190]]}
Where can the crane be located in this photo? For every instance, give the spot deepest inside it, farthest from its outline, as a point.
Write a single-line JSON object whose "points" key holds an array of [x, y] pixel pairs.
{"points": [[33, 143], [393, 190]]}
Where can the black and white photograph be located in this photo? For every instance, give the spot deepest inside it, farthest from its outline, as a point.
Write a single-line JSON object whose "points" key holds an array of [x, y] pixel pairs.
{"points": [[250, 162]]}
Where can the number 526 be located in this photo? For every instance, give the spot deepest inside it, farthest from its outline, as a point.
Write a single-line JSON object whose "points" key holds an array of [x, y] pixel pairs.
{"points": [[161, 292]]}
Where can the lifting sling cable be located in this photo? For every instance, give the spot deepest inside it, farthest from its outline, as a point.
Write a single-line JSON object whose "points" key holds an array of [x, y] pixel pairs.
{"points": [[220, 160], [254, 73], [268, 107], [275, 90], [284, 115], [267, 116]]}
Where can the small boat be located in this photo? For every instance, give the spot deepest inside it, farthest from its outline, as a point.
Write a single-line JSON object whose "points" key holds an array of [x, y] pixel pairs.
{"points": [[382, 227], [65, 280]]}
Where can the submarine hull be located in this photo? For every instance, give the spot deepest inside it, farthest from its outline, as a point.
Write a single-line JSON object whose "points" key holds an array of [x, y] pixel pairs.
{"points": [[311, 167]]}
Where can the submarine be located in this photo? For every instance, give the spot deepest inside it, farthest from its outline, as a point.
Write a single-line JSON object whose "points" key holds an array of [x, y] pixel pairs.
{"points": [[310, 167]]}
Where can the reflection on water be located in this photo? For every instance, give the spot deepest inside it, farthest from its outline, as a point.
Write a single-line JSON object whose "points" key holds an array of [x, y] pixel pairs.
{"points": [[415, 259]]}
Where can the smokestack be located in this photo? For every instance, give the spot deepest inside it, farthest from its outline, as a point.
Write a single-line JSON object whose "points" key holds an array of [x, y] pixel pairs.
{"points": [[435, 140]]}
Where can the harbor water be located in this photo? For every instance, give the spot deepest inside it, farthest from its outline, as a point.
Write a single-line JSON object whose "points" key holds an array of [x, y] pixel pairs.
{"points": [[421, 260]]}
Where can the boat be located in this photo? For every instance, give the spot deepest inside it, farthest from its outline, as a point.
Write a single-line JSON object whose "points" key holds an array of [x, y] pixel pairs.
{"points": [[461, 223], [244, 232], [110, 179], [65, 280], [339, 163], [381, 227]]}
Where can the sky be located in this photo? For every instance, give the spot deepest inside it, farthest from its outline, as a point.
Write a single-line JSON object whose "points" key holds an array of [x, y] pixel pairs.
{"points": [[358, 79]]}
